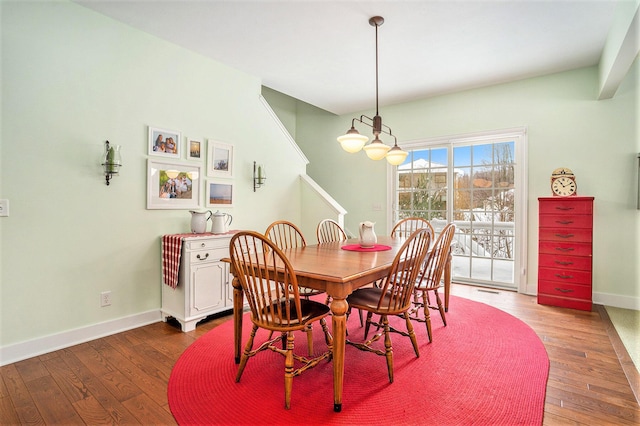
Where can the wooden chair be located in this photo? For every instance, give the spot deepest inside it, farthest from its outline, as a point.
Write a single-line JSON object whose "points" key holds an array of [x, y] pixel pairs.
{"points": [[286, 235], [430, 279], [274, 307], [409, 225], [393, 297], [330, 230]]}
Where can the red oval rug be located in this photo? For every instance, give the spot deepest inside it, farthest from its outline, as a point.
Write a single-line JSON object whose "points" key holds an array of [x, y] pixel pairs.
{"points": [[485, 367]]}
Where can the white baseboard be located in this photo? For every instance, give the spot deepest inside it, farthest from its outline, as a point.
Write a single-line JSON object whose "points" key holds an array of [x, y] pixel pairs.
{"points": [[28, 349], [617, 301]]}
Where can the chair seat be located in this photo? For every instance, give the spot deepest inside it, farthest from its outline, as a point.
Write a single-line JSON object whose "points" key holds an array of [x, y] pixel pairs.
{"points": [[368, 299], [311, 311]]}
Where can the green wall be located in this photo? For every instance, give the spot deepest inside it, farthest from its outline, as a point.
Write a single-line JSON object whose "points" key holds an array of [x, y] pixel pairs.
{"points": [[71, 79], [567, 126]]}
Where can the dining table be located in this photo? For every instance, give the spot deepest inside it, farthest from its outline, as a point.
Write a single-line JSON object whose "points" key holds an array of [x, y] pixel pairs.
{"points": [[337, 271]]}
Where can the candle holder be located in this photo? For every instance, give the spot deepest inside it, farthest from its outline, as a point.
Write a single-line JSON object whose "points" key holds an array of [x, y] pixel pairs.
{"points": [[113, 161], [259, 176]]}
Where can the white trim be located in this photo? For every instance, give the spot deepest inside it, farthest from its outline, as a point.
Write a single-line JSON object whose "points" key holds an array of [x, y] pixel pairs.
{"points": [[284, 130], [340, 211], [42, 345], [617, 301]]}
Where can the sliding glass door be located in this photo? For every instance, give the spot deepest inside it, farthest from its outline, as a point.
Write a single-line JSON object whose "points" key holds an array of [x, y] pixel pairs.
{"points": [[476, 183]]}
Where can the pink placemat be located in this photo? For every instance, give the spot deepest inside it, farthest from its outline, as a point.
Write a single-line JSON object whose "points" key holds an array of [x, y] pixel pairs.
{"points": [[357, 247]]}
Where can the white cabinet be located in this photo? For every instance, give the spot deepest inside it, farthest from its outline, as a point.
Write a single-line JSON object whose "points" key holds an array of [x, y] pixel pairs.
{"points": [[204, 282]]}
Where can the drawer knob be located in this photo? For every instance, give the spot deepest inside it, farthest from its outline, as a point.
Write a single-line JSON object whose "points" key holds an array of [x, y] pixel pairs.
{"points": [[565, 235], [202, 258], [564, 290], [564, 277], [202, 244]]}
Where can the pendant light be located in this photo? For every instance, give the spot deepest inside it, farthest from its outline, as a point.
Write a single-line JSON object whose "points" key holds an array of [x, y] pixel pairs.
{"points": [[353, 141]]}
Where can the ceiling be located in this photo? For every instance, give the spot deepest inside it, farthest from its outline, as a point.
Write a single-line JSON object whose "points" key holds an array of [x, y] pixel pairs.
{"points": [[323, 52]]}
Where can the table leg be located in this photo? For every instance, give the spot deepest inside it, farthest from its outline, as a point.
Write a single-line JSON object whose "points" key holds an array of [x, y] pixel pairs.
{"points": [[339, 309], [447, 281], [238, 305]]}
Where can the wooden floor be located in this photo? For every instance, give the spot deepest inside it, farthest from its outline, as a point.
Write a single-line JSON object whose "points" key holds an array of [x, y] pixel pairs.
{"points": [[122, 379]]}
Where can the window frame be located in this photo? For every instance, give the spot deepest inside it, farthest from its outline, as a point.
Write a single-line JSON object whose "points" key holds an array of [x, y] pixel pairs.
{"points": [[519, 135]]}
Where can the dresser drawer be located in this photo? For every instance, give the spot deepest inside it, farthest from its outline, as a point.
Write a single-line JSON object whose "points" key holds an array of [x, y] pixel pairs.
{"points": [[567, 206], [566, 221], [573, 249], [562, 276], [206, 243], [582, 235], [565, 302], [199, 256], [582, 263], [552, 288]]}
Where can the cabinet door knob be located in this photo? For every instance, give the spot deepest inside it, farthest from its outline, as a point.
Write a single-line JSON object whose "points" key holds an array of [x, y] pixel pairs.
{"points": [[203, 258], [202, 244]]}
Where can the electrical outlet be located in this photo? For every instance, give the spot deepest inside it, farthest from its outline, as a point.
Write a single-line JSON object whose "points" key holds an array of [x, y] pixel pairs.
{"points": [[105, 298]]}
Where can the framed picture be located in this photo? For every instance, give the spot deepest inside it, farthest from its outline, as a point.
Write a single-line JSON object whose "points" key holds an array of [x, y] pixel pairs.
{"points": [[164, 143], [219, 159], [173, 185], [219, 193], [194, 148]]}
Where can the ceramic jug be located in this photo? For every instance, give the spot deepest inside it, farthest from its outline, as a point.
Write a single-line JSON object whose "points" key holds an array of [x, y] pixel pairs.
{"points": [[367, 234], [220, 222], [199, 221]]}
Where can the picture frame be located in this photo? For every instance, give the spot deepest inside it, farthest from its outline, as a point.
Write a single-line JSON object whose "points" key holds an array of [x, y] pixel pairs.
{"points": [[194, 148], [173, 185], [219, 159], [219, 193], [164, 142]]}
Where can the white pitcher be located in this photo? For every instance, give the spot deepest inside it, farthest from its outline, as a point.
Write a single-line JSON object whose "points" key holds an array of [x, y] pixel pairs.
{"points": [[220, 222], [367, 234], [199, 221]]}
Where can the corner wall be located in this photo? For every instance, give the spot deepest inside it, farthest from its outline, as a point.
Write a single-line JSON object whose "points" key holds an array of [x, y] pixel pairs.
{"points": [[71, 79]]}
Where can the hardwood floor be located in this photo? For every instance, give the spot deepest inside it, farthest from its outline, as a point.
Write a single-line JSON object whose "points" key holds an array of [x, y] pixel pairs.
{"points": [[122, 379]]}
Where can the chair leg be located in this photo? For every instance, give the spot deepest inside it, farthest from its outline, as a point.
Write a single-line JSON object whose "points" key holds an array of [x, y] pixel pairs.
{"points": [[412, 334], [288, 371], [245, 354], [328, 338], [427, 315], [367, 324], [309, 330], [441, 308], [387, 347]]}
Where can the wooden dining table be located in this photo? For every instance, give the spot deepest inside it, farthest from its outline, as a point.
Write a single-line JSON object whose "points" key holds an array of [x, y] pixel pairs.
{"points": [[338, 272]]}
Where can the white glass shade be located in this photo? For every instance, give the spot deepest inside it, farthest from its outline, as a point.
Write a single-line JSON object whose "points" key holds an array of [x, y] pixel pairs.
{"points": [[376, 150], [396, 156], [353, 141]]}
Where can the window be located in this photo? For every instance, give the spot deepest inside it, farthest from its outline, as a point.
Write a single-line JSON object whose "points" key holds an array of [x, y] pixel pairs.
{"points": [[476, 181]]}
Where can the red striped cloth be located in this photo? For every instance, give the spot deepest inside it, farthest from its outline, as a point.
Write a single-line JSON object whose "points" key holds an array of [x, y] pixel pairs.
{"points": [[171, 251]]}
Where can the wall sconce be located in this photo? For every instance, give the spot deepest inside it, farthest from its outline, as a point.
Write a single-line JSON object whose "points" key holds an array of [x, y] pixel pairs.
{"points": [[112, 161], [259, 176]]}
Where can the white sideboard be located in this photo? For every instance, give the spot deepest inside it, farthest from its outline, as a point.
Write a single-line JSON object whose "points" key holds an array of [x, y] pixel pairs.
{"points": [[204, 282]]}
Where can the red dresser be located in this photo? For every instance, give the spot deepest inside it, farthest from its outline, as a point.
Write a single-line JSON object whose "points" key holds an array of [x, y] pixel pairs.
{"points": [[565, 251]]}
